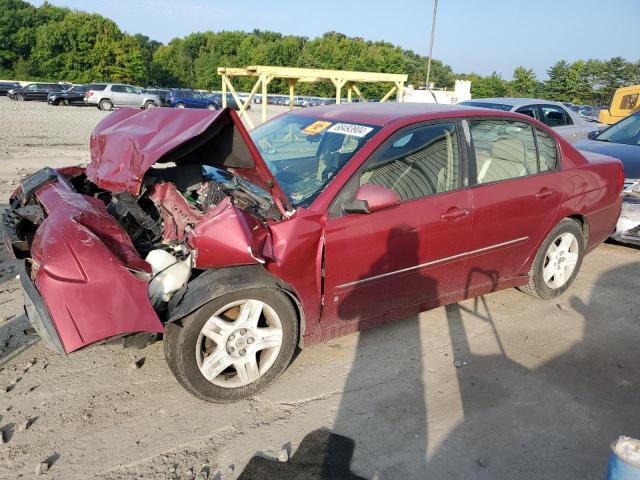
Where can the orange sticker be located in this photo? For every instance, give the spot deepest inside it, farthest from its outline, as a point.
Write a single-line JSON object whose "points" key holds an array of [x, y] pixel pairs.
{"points": [[316, 127]]}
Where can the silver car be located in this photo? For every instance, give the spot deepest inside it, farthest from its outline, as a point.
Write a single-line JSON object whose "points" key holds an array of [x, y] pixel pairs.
{"points": [[554, 114], [119, 95]]}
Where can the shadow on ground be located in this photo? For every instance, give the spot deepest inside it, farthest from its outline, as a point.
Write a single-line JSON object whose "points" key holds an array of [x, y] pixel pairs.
{"points": [[552, 421]]}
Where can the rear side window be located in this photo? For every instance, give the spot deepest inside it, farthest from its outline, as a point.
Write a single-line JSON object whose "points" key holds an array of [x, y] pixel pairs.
{"points": [[547, 151], [629, 102], [503, 150], [118, 88], [506, 149], [421, 162]]}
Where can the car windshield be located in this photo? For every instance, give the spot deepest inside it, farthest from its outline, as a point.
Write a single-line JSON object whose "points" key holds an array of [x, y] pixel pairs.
{"points": [[304, 153], [494, 106], [626, 131]]}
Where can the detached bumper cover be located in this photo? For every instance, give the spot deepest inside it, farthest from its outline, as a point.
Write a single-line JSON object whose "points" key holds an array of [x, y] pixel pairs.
{"points": [[80, 288]]}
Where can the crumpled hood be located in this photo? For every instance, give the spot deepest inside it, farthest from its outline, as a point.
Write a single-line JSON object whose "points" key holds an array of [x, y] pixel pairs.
{"points": [[129, 141]]}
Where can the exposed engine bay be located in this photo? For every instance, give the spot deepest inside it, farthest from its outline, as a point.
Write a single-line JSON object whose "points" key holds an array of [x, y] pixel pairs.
{"points": [[171, 222]]}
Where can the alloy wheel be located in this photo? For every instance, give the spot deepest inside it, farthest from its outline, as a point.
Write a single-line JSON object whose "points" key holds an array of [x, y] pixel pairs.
{"points": [[239, 343], [560, 260]]}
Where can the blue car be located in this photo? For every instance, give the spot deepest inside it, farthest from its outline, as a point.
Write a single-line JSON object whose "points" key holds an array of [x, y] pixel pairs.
{"points": [[182, 98]]}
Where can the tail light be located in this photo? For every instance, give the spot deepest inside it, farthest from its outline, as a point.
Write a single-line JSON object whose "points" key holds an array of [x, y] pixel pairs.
{"points": [[89, 93], [620, 178]]}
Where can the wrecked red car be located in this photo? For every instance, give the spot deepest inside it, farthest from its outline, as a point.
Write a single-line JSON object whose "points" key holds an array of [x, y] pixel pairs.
{"points": [[238, 248]]}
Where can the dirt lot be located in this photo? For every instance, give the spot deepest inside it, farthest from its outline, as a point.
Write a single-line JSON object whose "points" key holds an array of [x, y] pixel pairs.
{"points": [[541, 390]]}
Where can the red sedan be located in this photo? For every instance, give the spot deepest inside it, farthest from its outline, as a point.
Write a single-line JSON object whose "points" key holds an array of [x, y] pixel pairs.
{"points": [[238, 248]]}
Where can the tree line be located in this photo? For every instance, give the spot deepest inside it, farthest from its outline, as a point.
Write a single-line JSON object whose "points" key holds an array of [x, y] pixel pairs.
{"points": [[53, 43]]}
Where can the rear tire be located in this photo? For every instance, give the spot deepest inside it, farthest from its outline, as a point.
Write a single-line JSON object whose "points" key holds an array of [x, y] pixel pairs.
{"points": [[557, 262], [234, 346], [179, 105], [149, 105], [211, 106], [106, 105]]}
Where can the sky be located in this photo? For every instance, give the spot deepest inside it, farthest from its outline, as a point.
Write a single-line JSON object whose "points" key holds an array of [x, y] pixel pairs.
{"points": [[479, 36]]}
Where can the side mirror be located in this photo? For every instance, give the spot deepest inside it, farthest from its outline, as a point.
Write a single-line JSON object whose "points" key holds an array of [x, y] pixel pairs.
{"points": [[371, 198], [592, 134]]}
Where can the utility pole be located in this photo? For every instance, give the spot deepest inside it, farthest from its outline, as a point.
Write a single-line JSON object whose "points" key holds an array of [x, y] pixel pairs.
{"points": [[433, 30]]}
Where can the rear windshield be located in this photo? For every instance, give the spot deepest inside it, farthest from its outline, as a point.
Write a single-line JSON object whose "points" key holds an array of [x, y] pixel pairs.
{"points": [[494, 106], [97, 86]]}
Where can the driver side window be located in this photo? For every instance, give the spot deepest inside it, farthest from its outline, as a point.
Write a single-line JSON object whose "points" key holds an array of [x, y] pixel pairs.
{"points": [[424, 161]]}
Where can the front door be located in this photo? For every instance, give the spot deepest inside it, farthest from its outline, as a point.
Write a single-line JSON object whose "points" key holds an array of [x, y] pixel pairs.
{"points": [[405, 255], [516, 194]]}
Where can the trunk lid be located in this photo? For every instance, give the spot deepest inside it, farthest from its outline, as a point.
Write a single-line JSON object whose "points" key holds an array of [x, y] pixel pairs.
{"points": [[129, 141]]}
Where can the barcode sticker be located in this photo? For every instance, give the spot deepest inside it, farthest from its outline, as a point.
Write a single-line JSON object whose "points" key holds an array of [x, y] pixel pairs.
{"points": [[350, 129]]}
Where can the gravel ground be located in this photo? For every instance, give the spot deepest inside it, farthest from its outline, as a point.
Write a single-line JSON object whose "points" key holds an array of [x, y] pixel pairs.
{"points": [[500, 387]]}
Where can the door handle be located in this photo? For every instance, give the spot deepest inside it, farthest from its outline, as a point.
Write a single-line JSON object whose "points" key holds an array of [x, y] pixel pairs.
{"points": [[544, 193], [454, 213]]}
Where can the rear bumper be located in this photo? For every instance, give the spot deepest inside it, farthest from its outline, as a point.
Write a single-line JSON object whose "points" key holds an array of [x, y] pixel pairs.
{"points": [[38, 313]]}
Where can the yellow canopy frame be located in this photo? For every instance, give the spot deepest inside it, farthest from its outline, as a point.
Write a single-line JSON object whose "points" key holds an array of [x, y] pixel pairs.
{"points": [[339, 78]]}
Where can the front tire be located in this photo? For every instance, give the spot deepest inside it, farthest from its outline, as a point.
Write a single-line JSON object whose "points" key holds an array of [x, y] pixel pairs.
{"points": [[212, 106], [106, 105], [557, 262], [234, 346], [19, 97], [179, 105]]}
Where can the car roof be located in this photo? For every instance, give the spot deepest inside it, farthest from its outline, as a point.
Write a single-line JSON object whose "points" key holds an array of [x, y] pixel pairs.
{"points": [[515, 102], [376, 113]]}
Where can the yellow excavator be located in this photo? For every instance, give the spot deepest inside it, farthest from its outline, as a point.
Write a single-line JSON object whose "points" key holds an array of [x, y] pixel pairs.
{"points": [[625, 101]]}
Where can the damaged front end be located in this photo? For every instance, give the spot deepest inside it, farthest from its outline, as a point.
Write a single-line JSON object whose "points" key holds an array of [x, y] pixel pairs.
{"points": [[628, 226], [167, 194]]}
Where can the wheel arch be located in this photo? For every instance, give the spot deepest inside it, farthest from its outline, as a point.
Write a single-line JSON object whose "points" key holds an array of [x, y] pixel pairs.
{"points": [[584, 225], [580, 219], [214, 283]]}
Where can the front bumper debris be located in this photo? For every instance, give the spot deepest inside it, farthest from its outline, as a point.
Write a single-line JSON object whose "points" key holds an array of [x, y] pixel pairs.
{"points": [[628, 226], [38, 313]]}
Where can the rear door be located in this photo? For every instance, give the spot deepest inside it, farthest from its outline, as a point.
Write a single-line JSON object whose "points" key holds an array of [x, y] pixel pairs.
{"points": [[516, 193], [119, 94], [409, 254]]}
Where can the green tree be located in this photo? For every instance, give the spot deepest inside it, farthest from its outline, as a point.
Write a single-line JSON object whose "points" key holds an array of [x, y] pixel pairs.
{"points": [[524, 83], [486, 87]]}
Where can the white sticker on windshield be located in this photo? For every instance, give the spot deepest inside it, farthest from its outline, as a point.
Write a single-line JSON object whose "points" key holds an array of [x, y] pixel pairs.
{"points": [[350, 129]]}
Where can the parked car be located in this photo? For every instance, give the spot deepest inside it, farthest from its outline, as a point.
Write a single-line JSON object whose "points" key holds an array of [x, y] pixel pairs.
{"points": [[248, 245], [231, 102], [119, 95], [183, 98], [35, 91], [74, 95], [163, 93], [624, 102], [553, 114], [622, 141], [6, 86]]}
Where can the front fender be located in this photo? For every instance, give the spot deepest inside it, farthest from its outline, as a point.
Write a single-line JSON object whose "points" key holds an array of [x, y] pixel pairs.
{"points": [[214, 283]]}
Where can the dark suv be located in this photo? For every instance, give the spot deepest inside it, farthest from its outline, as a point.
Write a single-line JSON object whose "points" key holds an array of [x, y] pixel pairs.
{"points": [[5, 87], [36, 91]]}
